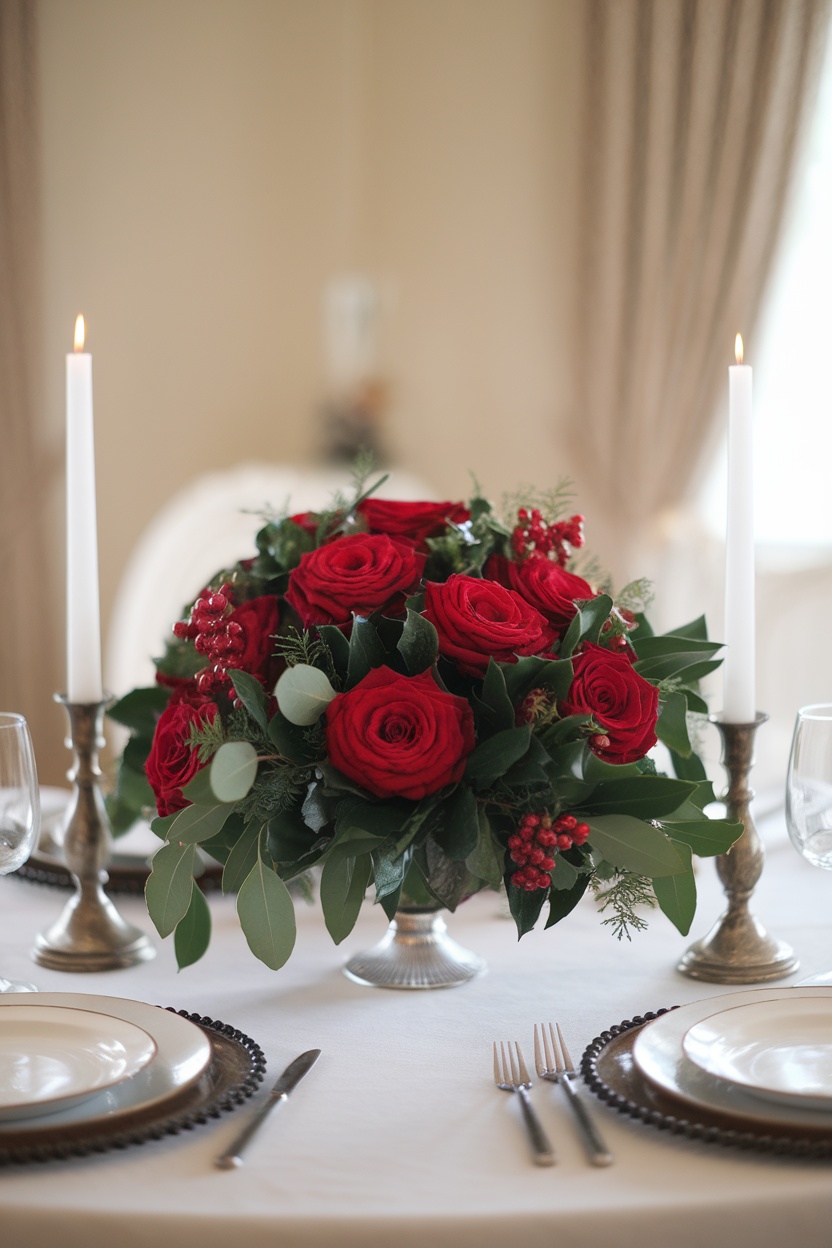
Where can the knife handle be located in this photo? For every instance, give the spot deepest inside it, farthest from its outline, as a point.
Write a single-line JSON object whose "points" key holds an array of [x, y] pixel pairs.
{"points": [[232, 1157]]}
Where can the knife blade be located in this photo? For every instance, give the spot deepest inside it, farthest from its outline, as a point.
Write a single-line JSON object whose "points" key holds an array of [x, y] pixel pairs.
{"points": [[291, 1077]]}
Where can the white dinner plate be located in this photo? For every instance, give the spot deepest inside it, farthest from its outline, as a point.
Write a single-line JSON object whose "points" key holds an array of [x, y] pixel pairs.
{"points": [[53, 1056], [780, 1050], [183, 1051], [658, 1055]]}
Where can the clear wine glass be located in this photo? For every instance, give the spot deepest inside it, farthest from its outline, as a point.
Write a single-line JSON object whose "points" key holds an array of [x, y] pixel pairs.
{"points": [[19, 805], [809, 794]]}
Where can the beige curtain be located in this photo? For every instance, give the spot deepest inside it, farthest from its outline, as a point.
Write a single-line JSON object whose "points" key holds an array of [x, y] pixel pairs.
{"points": [[691, 114], [31, 618]]}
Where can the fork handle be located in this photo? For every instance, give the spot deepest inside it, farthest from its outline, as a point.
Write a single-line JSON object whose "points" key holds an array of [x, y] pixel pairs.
{"points": [[544, 1154], [599, 1154]]}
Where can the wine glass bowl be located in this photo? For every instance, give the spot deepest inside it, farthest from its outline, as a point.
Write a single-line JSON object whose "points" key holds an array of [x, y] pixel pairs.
{"points": [[19, 804], [809, 785]]}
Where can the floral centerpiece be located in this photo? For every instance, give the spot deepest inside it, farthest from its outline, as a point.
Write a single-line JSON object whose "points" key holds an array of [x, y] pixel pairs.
{"points": [[427, 700]]}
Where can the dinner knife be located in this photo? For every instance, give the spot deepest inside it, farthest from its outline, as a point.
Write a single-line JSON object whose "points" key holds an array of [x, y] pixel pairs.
{"points": [[290, 1078]]}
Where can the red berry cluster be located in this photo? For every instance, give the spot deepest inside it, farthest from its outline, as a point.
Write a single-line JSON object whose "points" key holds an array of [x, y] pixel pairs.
{"points": [[531, 845], [533, 535], [215, 635], [616, 628]]}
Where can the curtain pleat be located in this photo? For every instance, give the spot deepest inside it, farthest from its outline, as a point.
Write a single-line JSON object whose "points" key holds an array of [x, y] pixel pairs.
{"points": [[31, 625], [691, 118]]}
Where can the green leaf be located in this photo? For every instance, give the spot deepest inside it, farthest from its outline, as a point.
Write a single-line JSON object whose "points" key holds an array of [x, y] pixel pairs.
{"points": [[525, 907], [338, 645], [459, 829], [344, 882], [586, 623], [241, 858], [565, 874], [486, 859], [289, 837], [563, 901], [672, 724], [252, 695], [140, 709], [303, 693], [390, 866], [198, 823], [267, 915], [381, 818], [531, 770], [492, 758], [494, 704], [632, 845], [193, 931], [706, 837], [690, 768], [233, 770], [645, 797], [418, 644], [366, 651], [449, 881], [170, 885], [676, 894], [697, 629], [534, 672], [289, 740]]}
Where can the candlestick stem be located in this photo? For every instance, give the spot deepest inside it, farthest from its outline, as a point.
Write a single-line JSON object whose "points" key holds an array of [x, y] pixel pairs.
{"points": [[738, 949], [90, 934]]}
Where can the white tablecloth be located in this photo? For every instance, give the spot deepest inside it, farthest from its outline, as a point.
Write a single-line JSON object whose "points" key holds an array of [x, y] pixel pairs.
{"points": [[398, 1136]]}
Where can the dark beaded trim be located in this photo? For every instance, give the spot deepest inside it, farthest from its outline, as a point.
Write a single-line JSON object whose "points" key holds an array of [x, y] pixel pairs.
{"points": [[126, 881], [782, 1145], [212, 1108]]}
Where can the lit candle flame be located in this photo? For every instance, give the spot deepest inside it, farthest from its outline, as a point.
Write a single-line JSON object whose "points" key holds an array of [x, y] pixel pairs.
{"points": [[80, 333], [738, 348]]}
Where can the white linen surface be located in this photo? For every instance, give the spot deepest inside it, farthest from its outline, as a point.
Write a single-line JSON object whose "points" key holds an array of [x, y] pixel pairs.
{"points": [[398, 1136]]}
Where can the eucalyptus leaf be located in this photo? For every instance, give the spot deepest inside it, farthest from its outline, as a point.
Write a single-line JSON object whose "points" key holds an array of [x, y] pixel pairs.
{"points": [[303, 693], [241, 858], [267, 915], [633, 845], [233, 770], [193, 931], [676, 894], [344, 882], [198, 823], [170, 885]]}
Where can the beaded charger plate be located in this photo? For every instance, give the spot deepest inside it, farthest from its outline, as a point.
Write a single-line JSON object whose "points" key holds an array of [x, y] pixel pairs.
{"points": [[610, 1071], [234, 1070]]}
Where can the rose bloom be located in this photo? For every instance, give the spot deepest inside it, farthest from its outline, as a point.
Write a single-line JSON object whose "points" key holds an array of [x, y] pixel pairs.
{"points": [[544, 584], [623, 704], [399, 736], [481, 619], [414, 520], [171, 764], [258, 619], [359, 574]]}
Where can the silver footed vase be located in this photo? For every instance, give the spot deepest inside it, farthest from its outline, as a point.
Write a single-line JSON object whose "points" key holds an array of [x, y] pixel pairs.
{"points": [[415, 952]]}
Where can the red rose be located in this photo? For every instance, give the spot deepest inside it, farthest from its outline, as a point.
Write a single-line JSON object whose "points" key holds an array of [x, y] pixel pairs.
{"points": [[399, 736], [258, 620], [544, 584], [359, 574], [414, 520], [478, 619], [171, 763], [623, 704]]}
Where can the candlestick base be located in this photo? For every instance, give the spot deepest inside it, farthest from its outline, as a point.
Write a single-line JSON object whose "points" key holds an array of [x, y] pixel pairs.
{"points": [[738, 949], [90, 934]]}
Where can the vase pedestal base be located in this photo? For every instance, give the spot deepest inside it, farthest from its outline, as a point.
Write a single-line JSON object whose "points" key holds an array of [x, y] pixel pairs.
{"points": [[415, 952]]}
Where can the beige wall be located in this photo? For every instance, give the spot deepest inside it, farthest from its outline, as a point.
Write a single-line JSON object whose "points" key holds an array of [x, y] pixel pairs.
{"points": [[209, 165]]}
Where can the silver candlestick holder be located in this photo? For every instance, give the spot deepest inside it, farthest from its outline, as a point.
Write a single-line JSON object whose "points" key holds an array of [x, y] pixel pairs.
{"points": [[90, 934], [738, 949]]}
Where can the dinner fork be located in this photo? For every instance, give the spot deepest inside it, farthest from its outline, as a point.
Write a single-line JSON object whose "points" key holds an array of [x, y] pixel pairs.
{"points": [[556, 1065], [511, 1075]]}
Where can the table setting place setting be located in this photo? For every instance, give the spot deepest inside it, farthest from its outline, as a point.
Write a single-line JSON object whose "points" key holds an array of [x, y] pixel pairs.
{"points": [[410, 704]]}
